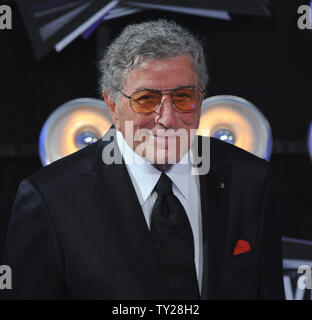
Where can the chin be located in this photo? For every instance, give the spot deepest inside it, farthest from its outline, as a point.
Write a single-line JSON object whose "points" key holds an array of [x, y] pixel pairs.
{"points": [[163, 157], [166, 153]]}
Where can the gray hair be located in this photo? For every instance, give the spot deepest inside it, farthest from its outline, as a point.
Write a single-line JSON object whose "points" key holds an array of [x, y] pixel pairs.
{"points": [[148, 40]]}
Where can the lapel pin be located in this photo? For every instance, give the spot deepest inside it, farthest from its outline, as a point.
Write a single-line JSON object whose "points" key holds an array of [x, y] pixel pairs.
{"points": [[221, 185]]}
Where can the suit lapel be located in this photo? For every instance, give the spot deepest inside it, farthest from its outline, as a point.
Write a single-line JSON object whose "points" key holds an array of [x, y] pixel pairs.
{"points": [[215, 191], [117, 203]]}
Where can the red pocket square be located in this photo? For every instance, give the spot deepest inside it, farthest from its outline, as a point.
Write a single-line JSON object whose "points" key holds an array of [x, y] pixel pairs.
{"points": [[241, 246]]}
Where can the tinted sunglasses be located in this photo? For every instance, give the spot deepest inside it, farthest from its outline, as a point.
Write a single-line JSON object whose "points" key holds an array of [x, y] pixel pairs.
{"points": [[184, 99]]}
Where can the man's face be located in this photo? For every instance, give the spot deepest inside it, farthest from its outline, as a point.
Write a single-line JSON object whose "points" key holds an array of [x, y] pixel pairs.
{"points": [[157, 74]]}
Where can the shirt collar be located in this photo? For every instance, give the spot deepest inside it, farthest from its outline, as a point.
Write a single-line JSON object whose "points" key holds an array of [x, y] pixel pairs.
{"points": [[180, 174], [144, 176]]}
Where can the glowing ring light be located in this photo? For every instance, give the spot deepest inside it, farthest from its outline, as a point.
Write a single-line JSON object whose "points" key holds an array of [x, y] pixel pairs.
{"points": [[310, 140], [236, 121], [72, 126]]}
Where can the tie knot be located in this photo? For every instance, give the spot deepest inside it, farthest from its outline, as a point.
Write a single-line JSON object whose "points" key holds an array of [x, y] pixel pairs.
{"points": [[164, 185]]}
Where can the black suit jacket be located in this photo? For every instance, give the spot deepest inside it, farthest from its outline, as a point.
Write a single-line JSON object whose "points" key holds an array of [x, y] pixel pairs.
{"points": [[78, 232]]}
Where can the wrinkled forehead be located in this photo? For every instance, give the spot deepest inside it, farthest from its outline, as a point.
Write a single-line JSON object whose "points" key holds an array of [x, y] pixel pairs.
{"points": [[161, 73], [140, 60]]}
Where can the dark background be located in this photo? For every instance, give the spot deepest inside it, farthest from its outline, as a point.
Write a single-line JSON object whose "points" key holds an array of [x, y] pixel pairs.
{"points": [[266, 60]]}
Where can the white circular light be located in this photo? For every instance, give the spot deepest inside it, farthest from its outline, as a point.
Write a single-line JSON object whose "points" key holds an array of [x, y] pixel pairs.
{"points": [[237, 121], [72, 126]]}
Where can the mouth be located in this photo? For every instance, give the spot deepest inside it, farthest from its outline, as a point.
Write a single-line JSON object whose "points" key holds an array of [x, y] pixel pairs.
{"points": [[169, 142], [164, 136], [160, 133], [168, 138]]}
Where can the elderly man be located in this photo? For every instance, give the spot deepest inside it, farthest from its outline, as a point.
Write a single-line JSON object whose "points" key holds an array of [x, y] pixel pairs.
{"points": [[147, 227]]}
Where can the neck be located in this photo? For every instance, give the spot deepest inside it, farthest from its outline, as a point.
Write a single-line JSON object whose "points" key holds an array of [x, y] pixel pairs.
{"points": [[162, 167]]}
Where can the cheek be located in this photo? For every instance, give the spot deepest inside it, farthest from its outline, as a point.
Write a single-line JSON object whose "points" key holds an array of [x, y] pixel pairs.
{"points": [[122, 114], [189, 120], [144, 121]]}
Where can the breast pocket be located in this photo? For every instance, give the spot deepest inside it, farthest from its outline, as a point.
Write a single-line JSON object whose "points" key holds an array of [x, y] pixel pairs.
{"points": [[239, 277]]}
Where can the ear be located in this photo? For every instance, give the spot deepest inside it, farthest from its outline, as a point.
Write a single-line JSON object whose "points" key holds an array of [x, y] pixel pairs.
{"points": [[111, 105]]}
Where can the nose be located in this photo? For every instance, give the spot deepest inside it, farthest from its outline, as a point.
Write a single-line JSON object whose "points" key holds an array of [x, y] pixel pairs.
{"points": [[165, 113]]}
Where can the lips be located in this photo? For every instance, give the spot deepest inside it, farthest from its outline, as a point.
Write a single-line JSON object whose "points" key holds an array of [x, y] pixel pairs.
{"points": [[165, 138], [162, 133]]}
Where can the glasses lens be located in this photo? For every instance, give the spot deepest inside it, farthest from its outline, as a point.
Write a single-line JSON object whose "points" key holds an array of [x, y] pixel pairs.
{"points": [[145, 101], [187, 99]]}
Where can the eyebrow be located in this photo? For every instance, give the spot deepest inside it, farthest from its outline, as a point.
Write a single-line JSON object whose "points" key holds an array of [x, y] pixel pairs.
{"points": [[159, 90]]}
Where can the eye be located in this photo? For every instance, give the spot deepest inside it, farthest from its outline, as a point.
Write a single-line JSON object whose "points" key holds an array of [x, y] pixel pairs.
{"points": [[145, 97], [181, 95], [184, 94]]}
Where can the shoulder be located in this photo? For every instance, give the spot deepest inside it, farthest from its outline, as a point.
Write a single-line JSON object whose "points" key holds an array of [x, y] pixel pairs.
{"points": [[67, 169], [244, 162]]}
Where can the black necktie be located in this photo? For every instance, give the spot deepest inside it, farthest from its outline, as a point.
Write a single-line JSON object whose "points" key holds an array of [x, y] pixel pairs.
{"points": [[172, 236]]}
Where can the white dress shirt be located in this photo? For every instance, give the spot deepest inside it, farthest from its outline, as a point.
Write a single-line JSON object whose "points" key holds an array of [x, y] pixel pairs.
{"points": [[185, 187]]}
